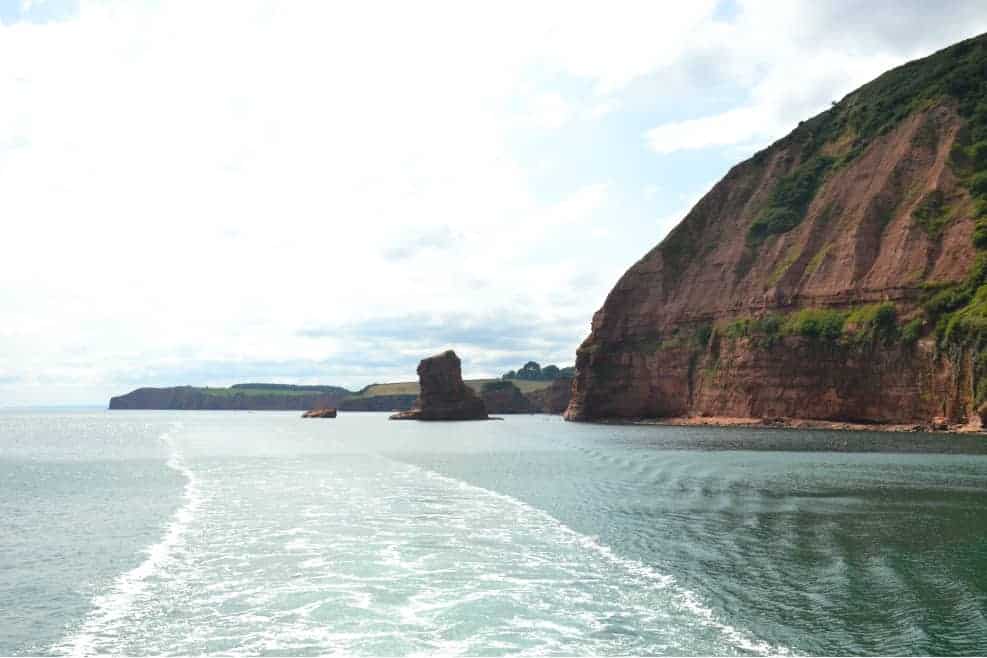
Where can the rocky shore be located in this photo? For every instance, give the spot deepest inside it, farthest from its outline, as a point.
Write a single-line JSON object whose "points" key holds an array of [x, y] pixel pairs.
{"points": [[940, 425]]}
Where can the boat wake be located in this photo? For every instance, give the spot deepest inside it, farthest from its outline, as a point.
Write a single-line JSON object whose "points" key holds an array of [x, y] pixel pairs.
{"points": [[112, 608], [683, 597]]}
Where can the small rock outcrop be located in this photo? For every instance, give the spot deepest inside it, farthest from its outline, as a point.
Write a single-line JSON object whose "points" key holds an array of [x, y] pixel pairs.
{"points": [[443, 394], [324, 412]]}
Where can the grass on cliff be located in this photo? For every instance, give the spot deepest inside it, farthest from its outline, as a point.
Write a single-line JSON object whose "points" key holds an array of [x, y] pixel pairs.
{"points": [[837, 136], [874, 322], [258, 390]]}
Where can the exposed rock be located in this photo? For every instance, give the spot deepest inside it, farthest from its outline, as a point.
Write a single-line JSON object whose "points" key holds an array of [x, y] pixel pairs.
{"points": [[667, 342], [553, 399], [443, 394], [322, 412], [503, 397]]}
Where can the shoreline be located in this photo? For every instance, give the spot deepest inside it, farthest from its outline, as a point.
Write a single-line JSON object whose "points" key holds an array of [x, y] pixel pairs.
{"points": [[796, 423]]}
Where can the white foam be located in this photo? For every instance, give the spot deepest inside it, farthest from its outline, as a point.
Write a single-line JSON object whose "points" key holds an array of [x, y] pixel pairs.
{"points": [[686, 598], [115, 604]]}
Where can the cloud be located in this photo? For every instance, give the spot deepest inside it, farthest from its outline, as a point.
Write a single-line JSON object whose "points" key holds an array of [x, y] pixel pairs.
{"points": [[185, 184], [494, 336], [796, 58], [549, 111], [415, 241]]}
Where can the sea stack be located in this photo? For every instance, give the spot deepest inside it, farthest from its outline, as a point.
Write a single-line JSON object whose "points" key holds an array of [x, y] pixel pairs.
{"points": [[443, 394]]}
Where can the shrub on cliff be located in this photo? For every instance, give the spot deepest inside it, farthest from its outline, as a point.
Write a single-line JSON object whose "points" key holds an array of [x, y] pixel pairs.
{"points": [[815, 323], [764, 331], [875, 322], [790, 200], [912, 331]]}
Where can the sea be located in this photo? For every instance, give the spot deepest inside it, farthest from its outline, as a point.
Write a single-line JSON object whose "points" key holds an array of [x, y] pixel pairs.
{"points": [[262, 533]]}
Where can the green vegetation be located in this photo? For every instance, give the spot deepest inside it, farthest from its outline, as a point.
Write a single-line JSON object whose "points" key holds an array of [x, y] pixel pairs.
{"points": [[286, 390], [875, 322], [816, 323], [932, 214], [531, 371], [765, 331], [837, 136], [817, 260], [790, 200], [793, 253], [703, 333], [912, 331]]}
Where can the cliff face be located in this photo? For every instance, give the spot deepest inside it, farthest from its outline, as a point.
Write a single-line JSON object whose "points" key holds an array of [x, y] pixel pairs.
{"points": [[823, 277], [553, 399], [503, 397]]}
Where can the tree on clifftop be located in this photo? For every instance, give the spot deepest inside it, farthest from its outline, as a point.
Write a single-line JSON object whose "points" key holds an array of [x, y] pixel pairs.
{"points": [[530, 371]]}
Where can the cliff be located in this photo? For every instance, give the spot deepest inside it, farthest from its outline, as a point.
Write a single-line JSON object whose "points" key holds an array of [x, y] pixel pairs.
{"points": [[552, 399], [503, 397], [835, 275], [269, 397]]}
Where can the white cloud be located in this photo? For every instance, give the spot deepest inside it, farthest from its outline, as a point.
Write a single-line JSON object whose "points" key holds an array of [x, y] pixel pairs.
{"points": [[189, 183], [549, 111], [796, 58]]}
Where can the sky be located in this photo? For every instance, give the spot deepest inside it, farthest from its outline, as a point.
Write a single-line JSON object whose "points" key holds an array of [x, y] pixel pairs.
{"points": [[212, 192]]}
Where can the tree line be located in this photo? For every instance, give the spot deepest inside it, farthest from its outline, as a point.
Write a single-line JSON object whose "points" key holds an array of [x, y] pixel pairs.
{"points": [[532, 371]]}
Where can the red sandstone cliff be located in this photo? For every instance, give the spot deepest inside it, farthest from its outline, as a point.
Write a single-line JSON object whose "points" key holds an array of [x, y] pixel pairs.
{"points": [[871, 202]]}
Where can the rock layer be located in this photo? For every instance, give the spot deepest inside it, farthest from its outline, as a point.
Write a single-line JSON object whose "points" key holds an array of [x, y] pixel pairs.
{"points": [[774, 239], [443, 394]]}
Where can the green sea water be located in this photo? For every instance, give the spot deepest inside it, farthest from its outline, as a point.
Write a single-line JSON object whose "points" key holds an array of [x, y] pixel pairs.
{"points": [[264, 534]]}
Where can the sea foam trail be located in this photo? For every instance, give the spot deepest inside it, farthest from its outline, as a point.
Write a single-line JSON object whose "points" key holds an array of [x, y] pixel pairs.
{"points": [[685, 598], [114, 605]]}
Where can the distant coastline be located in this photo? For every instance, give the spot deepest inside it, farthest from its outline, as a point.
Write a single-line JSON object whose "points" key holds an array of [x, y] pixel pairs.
{"points": [[501, 396]]}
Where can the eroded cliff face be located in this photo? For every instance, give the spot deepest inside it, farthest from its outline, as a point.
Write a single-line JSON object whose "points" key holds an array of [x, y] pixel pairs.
{"points": [[800, 285]]}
